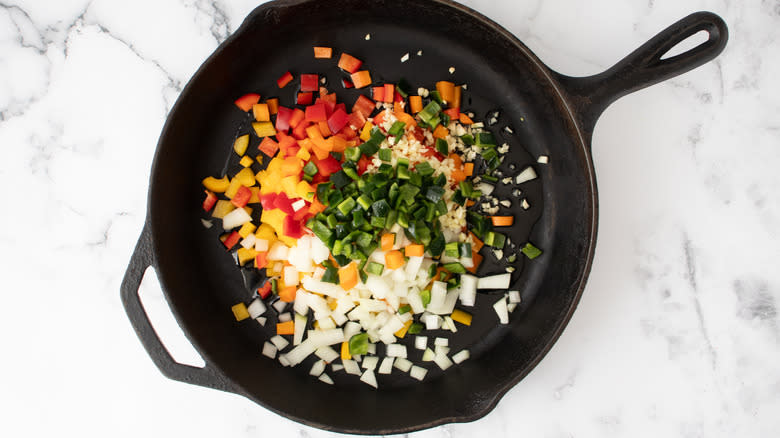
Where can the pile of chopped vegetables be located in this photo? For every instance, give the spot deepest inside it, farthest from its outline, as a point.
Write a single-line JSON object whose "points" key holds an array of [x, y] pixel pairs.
{"points": [[371, 225]]}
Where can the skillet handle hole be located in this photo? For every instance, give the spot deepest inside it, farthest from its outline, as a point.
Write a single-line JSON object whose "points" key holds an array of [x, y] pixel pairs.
{"points": [[687, 44], [165, 325]]}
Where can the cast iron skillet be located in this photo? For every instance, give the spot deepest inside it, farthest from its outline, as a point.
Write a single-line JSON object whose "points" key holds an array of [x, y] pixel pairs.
{"points": [[552, 114]]}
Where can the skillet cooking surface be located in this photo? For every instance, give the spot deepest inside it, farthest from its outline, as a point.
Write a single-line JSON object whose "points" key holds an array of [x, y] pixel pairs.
{"points": [[201, 281]]}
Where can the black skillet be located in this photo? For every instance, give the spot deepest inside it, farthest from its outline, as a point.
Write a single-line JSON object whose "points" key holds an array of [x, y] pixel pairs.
{"points": [[550, 113]]}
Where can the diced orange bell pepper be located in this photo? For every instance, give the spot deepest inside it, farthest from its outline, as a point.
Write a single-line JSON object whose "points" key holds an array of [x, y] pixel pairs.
{"points": [[441, 132], [291, 166], [287, 294], [388, 240], [361, 79], [469, 169], [348, 276], [477, 244], [285, 328], [323, 52], [446, 90], [394, 259], [502, 221], [260, 111], [464, 119], [476, 259], [415, 104], [273, 105], [414, 250]]}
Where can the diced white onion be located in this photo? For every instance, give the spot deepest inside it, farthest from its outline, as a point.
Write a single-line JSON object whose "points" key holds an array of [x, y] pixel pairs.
{"points": [[279, 341], [511, 307], [336, 367], [326, 378], [468, 289], [500, 281], [441, 349], [351, 367], [318, 368], [301, 352], [284, 317], [206, 223], [327, 354], [461, 356], [432, 322], [248, 241], [442, 361], [485, 188], [370, 362], [299, 204], [514, 296], [290, 276], [322, 338], [441, 341], [421, 342], [235, 218], [387, 365], [527, 174], [261, 245], [428, 355], [261, 320], [502, 311], [418, 372], [278, 251], [438, 293], [256, 308], [543, 159], [279, 305], [299, 329], [396, 350], [403, 364], [269, 350], [369, 378]]}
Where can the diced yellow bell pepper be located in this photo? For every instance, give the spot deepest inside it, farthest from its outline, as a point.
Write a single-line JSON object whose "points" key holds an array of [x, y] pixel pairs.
{"points": [[345, 351], [304, 190], [246, 177], [231, 191], [287, 240], [289, 184], [245, 255], [246, 229], [275, 165], [255, 198], [266, 232], [303, 154], [248, 210], [461, 317], [402, 331], [240, 145], [216, 185], [264, 129], [222, 208], [365, 134], [275, 218], [246, 161], [240, 312]]}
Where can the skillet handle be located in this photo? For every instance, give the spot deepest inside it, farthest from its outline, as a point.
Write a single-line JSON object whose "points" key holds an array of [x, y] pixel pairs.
{"points": [[591, 95], [142, 258]]}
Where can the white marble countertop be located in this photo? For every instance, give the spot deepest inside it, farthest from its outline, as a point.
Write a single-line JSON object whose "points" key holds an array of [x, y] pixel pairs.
{"points": [[676, 335]]}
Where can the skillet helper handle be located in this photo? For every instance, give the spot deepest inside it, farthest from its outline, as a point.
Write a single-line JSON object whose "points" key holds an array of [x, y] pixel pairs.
{"points": [[591, 95], [142, 258]]}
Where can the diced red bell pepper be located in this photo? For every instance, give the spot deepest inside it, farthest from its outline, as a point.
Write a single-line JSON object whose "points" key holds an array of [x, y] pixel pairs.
{"points": [[241, 198], [305, 98], [318, 178], [297, 117], [283, 119], [231, 240], [418, 134], [349, 63], [265, 290], [327, 166], [347, 83], [282, 202], [310, 82], [397, 97], [389, 93], [357, 119], [378, 93], [362, 164], [285, 142], [268, 146], [246, 101], [349, 133], [303, 212], [284, 79], [340, 105], [338, 120], [431, 152], [454, 113], [292, 227], [293, 150], [364, 105], [316, 113], [210, 200], [300, 131], [268, 201], [330, 101]]}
